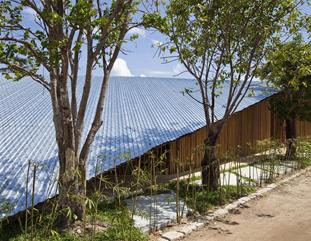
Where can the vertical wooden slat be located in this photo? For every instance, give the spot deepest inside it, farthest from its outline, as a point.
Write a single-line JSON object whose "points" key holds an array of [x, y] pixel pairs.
{"points": [[254, 123]]}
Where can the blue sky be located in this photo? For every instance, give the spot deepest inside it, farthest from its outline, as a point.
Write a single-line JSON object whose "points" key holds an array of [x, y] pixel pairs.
{"points": [[142, 58]]}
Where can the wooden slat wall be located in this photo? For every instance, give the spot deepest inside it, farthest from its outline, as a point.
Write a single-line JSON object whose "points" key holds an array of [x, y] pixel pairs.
{"points": [[248, 126], [303, 128]]}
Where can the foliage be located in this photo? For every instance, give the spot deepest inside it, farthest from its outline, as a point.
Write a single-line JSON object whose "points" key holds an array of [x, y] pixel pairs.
{"points": [[118, 218], [201, 200], [267, 166], [27, 45], [288, 69], [121, 222], [303, 152], [221, 43], [53, 40]]}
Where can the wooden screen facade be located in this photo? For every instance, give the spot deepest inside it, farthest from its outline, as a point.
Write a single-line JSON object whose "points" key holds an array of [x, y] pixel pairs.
{"points": [[244, 128]]}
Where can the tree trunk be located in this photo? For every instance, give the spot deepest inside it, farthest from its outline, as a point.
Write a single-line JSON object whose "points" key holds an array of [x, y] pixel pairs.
{"points": [[291, 136], [209, 164], [71, 199]]}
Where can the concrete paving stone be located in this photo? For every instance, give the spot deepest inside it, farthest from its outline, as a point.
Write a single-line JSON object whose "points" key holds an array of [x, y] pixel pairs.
{"points": [[231, 206], [172, 235], [210, 217], [263, 190], [220, 213], [199, 224], [154, 211], [254, 195], [235, 203], [244, 199], [163, 206], [187, 229]]}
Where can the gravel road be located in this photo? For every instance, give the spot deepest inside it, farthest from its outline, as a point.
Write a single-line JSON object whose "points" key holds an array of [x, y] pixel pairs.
{"points": [[281, 215]]}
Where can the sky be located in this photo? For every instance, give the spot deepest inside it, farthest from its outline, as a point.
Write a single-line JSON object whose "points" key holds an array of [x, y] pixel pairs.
{"points": [[142, 58]]}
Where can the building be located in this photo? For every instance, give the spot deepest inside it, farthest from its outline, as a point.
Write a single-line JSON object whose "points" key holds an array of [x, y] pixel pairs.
{"points": [[141, 114]]}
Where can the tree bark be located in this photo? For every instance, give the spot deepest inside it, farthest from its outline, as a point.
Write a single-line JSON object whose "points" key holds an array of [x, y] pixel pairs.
{"points": [[70, 201], [291, 135], [69, 197], [209, 164]]}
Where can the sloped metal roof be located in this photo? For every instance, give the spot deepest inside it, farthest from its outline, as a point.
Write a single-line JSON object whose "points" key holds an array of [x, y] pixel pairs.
{"points": [[140, 113]]}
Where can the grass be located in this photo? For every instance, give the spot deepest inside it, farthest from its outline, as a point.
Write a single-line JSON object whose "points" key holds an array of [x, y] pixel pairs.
{"points": [[202, 200], [116, 217], [121, 226], [246, 179]]}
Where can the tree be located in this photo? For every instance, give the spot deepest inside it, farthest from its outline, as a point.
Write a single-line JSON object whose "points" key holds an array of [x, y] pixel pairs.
{"points": [[55, 40], [288, 69], [220, 43]]}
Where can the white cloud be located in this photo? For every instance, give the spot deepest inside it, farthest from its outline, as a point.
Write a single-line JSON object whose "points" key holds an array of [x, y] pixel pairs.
{"points": [[120, 68], [142, 75], [141, 32]]}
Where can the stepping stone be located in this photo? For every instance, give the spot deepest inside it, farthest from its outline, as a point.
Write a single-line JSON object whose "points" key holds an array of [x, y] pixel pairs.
{"points": [[172, 235], [187, 229], [199, 224]]}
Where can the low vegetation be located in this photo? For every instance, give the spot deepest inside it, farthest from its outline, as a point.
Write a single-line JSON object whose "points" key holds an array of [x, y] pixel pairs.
{"points": [[201, 200], [113, 222], [108, 218]]}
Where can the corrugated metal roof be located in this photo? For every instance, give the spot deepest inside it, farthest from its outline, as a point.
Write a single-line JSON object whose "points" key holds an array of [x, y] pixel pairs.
{"points": [[140, 113]]}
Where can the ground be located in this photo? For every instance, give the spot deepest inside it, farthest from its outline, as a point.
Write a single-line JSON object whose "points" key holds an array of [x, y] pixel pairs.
{"points": [[284, 214]]}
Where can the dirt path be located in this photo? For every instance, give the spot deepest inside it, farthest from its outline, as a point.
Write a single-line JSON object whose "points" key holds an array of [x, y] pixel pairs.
{"points": [[283, 215]]}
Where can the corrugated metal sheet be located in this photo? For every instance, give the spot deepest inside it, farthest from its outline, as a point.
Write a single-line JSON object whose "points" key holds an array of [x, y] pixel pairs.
{"points": [[140, 113]]}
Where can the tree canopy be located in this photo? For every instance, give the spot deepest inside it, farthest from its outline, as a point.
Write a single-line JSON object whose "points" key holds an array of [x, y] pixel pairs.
{"points": [[58, 35], [288, 69], [221, 44]]}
